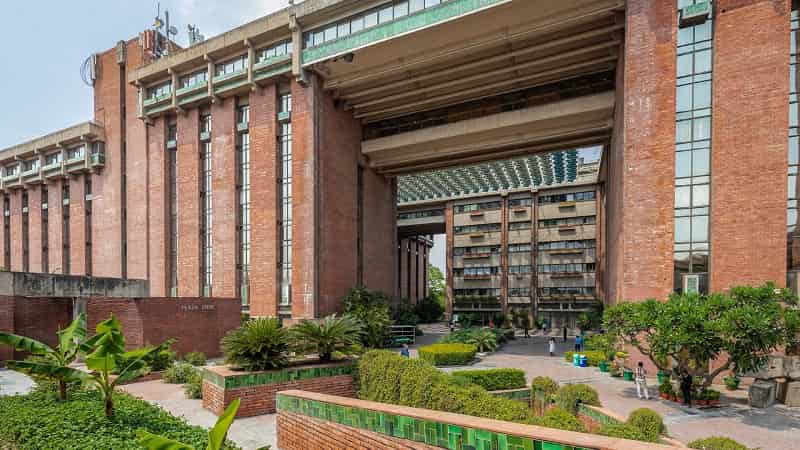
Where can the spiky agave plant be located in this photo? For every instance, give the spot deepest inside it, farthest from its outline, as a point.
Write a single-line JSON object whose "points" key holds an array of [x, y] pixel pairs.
{"points": [[258, 344], [484, 340]]}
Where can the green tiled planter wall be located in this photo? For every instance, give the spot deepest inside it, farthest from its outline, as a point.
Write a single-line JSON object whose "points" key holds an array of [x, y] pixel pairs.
{"points": [[522, 394], [596, 416], [246, 379], [434, 433]]}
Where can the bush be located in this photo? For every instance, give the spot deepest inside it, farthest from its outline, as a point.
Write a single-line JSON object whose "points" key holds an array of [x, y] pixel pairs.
{"points": [[194, 385], [447, 354], [179, 373], [258, 344], [560, 419], [389, 378], [623, 431], [545, 384], [371, 310], [569, 395], [39, 421], [160, 360], [484, 340], [717, 443], [494, 379], [428, 310], [593, 357], [648, 422], [331, 334], [195, 358]]}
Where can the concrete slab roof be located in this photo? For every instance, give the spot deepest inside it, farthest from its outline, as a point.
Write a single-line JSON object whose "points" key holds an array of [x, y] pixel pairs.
{"points": [[66, 136]]}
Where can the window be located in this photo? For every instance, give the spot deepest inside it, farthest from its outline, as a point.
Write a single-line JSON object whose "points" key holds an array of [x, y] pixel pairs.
{"points": [[567, 222], [282, 48], [25, 236], [566, 268], [205, 123], [519, 226], [570, 197], [476, 292], [420, 214], [520, 202], [159, 91], [75, 153], [10, 171], [692, 152], [206, 219], [65, 247], [461, 251], [794, 148], [473, 207], [481, 228], [234, 65], [566, 291], [557, 245], [52, 159], [172, 133], [6, 232], [519, 292], [519, 270], [30, 165], [87, 223], [45, 231], [285, 154], [243, 115], [243, 222], [476, 271], [194, 79], [519, 248], [172, 186]]}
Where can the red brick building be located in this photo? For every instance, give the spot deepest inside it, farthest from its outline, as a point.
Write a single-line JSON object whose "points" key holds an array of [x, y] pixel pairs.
{"points": [[264, 163]]}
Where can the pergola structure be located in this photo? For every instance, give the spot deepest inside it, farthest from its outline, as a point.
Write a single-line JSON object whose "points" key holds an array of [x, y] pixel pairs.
{"points": [[532, 172]]}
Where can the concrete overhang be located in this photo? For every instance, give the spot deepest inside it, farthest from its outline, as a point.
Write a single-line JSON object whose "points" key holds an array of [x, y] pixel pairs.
{"points": [[72, 135], [577, 121]]}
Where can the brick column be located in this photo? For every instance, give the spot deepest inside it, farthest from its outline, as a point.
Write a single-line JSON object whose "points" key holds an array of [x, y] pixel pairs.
{"points": [[77, 226], [264, 212], [448, 257], [223, 173], [16, 230], [158, 219], [137, 161], [304, 200], [188, 170], [641, 158], [504, 254], [749, 163], [54, 238], [35, 229], [379, 232]]}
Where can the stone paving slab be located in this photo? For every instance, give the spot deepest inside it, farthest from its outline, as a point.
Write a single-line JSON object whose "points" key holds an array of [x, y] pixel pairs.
{"points": [[13, 383]]}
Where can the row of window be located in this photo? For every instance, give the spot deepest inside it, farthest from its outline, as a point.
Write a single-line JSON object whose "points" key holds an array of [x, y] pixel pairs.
{"points": [[285, 221], [420, 214], [479, 228], [476, 292], [566, 268], [520, 202], [382, 14], [461, 251], [476, 271], [473, 207], [567, 222], [549, 291], [519, 292], [524, 248], [558, 245], [74, 153], [571, 197]]}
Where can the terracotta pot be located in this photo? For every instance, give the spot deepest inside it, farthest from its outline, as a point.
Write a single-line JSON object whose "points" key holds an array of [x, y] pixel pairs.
{"points": [[664, 395], [674, 398]]}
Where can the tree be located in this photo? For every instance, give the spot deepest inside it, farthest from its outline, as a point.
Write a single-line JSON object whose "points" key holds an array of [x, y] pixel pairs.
{"points": [[747, 324], [436, 284], [371, 310], [332, 334], [216, 435], [106, 354], [51, 363], [484, 340]]}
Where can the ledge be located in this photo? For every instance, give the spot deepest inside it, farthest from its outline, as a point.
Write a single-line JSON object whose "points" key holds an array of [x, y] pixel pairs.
{"points": [[227, 378]]}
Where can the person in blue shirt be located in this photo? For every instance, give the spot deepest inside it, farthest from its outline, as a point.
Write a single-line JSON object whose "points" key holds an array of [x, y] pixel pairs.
{"points": [[578, 342], [404, 351]]}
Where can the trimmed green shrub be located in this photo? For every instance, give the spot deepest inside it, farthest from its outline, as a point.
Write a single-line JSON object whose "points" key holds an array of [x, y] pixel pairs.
{"points": [[195, 358], [161, 359], [194, 385], [717, 443], [569, 395], [485, 340], [447, 354], [389, 378], [623, 431], [648, 422], [178, 373], [258, 344], [39, 421], [593, 357], [560, 419], [545, 384], [494, 379], [371, 311]]}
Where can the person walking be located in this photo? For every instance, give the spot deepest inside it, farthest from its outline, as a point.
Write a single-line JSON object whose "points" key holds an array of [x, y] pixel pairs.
{"points": [[686, 387], [641, 381], [552, 345], [404, 351], [578, 342]]}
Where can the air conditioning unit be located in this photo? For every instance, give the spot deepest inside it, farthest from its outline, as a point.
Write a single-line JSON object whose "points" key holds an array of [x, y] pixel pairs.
{"points": [[691, 284]]}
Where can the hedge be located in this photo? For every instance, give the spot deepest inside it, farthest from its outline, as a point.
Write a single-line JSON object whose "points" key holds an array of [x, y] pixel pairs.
{"points": [[387, 377], [494, 379], [648, 422], [448, 354], [560, 419], [717, 443], [623, 431], [39, 421], [568, 396], [593, 357]]}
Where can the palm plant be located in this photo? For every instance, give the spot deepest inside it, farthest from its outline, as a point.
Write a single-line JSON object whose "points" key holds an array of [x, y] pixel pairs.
{"points": [[216, 435], [106, 354], [484, 340], [258, 344], [48, 362], [331, 334]]}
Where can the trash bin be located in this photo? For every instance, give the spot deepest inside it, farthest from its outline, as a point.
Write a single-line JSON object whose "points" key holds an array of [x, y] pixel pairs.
{"points": [[584, 361], [627, 375], [576, 360]]}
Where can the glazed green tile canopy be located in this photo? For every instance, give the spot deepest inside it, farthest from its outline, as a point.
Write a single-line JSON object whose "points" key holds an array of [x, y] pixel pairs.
{"points": [[558, 168]]}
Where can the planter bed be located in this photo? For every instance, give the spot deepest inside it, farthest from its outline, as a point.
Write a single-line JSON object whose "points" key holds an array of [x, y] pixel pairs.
{"points": [[257, 390], [521, 394]]}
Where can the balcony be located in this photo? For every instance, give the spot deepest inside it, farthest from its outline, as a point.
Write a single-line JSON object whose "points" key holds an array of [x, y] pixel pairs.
{"points": [[566, 275], [567, 251], [32, 176], [12, 181], [98, 160], [157, 100], [53, 170], [76, 162]]}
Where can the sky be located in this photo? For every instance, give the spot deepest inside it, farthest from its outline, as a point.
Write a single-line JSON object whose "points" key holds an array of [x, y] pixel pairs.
{"points": [[44, 43]]}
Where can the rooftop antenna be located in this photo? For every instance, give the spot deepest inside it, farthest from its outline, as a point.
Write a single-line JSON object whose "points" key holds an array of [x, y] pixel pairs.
{"points": [[162, 25], [194, 35]]}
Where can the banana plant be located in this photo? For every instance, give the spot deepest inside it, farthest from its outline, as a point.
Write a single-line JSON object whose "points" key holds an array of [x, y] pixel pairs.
{"points": [[216, 435], [106, 354], [48, 362]]}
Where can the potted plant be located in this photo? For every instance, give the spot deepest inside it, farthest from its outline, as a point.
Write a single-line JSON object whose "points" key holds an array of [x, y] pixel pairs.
{"points": [[712, 397], [603, 366], [732, 382], [699, 397], [665, 390]]}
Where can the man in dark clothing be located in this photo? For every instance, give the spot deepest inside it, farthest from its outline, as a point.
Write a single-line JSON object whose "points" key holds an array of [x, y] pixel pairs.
{"points": [[686, 387], [565, 334]]}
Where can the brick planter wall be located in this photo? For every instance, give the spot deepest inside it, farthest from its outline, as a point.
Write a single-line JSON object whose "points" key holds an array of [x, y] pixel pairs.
{"points": [[258, 390], [309, 420]]}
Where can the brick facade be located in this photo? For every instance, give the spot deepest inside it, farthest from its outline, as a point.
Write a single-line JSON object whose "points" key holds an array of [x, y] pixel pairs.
{"points": [[223, 185], [77, 226], [40, 318], [188, 179], [35, 229], [158, 212], [749, 162], [6, 325], [16, 230]]}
